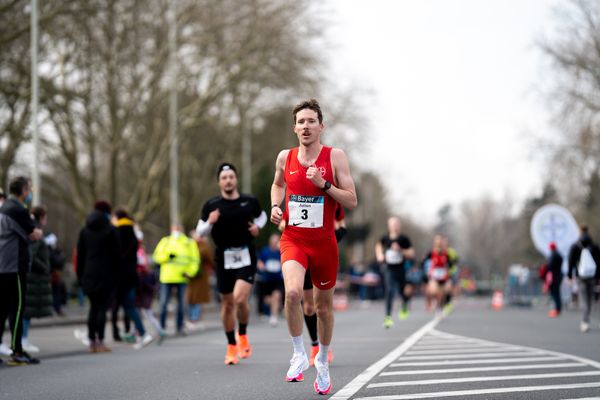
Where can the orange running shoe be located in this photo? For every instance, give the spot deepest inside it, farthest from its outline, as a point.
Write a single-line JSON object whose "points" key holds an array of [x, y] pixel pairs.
{"points": [[330, 356], [553, 313], [244, 348], [313, 353], [231, 357]]}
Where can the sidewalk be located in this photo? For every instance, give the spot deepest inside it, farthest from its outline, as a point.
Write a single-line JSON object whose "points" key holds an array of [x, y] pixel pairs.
{"points": [[55, 336], [76, 315]]}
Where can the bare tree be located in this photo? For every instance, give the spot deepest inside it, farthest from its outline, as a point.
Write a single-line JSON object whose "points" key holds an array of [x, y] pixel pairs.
{"points": [[574, 52], [15, 80]]}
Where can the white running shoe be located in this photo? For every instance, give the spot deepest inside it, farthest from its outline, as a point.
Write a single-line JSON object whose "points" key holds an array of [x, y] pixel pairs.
{"points": [[5, 350], [81, 335], [584, 327], [143, 342], [323, 381], [273, 320], [298, 364], [29, 347]]}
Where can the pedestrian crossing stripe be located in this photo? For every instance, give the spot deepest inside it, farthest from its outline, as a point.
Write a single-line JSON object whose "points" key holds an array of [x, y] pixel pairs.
{"points": [[486, 379], [473, 392], [419, 351], [482, 369]]}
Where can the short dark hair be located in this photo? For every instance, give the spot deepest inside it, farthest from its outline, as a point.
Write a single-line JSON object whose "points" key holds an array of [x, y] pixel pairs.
{"points": [[103, 205], [225, 167], [38, 212], [311, 104], [18, 185], [121, 212]]}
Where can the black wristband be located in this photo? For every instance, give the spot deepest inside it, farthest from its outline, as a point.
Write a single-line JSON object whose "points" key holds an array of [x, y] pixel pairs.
{"points": [[326, 186], [275, 205]]}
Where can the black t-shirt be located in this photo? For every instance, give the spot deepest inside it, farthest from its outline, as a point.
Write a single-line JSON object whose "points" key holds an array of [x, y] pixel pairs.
{"points": [[394, 258], [231, 229]]}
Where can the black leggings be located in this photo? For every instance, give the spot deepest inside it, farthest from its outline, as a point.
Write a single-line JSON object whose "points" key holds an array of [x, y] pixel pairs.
{"points": [[12, 305], [97, 315], [395, 282]]}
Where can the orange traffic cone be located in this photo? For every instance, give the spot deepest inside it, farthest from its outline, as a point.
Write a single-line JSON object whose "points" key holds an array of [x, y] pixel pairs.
{"points": [[498, 300]]}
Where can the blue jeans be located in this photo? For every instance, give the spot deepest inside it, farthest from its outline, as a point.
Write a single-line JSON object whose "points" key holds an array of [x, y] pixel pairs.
{"points": [[26, 323], [128, 302], [165, 295], [194, 311]]}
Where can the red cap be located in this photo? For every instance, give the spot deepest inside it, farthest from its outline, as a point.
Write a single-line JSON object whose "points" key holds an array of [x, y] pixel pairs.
{"points": [[552, 246]]}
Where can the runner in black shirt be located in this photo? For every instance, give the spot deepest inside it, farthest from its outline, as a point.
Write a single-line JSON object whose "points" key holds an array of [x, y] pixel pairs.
{"points": [[234, 220], [393, 250]]}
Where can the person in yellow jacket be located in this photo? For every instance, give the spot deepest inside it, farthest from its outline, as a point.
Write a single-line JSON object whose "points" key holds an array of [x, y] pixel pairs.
{"points": [[179, 260]]}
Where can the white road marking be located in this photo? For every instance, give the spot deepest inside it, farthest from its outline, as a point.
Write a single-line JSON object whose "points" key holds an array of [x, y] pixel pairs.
{"points": [[486, 379], [591, 363], [478, 369], [454, 350], [460, 350], [357, 383], [485, 361], [472, 356], [483, 391], [584, 398]]}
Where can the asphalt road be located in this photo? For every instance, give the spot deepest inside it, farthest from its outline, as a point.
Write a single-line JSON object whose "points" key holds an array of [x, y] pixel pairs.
{"points": [[473, 353]]}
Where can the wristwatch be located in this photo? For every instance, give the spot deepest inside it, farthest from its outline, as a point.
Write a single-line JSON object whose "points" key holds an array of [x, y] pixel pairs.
{"points": [[326, 186]]}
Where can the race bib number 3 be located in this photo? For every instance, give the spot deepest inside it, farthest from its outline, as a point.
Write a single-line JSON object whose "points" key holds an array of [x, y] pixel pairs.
{"points": [[237, 257], [306, 211]]}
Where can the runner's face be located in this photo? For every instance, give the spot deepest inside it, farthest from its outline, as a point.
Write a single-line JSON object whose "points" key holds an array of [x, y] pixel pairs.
{"points": [[307, 126], [228, 181], [394, 226]]}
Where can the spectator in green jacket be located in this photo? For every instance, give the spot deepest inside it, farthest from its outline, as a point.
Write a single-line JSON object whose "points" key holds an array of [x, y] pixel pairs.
{"points": [[179, 260]]}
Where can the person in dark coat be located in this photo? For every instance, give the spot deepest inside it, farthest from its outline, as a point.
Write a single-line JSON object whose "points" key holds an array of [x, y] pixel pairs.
{"points": [[126, 277], [555, 261], [98, 259], [38, 302], [585, 252], [17, 229]]}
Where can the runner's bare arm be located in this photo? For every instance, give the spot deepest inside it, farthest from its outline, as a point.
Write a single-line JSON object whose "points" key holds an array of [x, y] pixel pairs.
{"points": [[409, 253], [343, 190], [379, 252], [278, 187]]}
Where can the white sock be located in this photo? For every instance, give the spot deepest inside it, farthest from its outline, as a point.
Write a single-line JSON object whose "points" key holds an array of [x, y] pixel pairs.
{"points": [[322, 355], [298, 343]]}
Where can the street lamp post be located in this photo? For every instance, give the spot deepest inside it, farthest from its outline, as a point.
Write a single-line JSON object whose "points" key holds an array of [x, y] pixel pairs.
{"points": [[173, 140], [37, 198]]}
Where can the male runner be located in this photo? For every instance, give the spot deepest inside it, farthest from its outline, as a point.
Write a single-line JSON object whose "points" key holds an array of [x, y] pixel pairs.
{"points": [[234, 220], [313, 178], [393, 250], [308, 299]]}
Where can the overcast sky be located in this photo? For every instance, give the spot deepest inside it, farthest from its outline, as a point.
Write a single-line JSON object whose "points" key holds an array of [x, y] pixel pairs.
{"points": [[454, 90]]}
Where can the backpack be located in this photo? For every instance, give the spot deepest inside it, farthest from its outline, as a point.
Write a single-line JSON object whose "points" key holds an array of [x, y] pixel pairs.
{"points": [[587, 265]]}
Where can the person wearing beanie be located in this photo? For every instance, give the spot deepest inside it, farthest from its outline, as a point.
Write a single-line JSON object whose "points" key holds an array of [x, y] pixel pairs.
{"points": [[233, 219]]}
